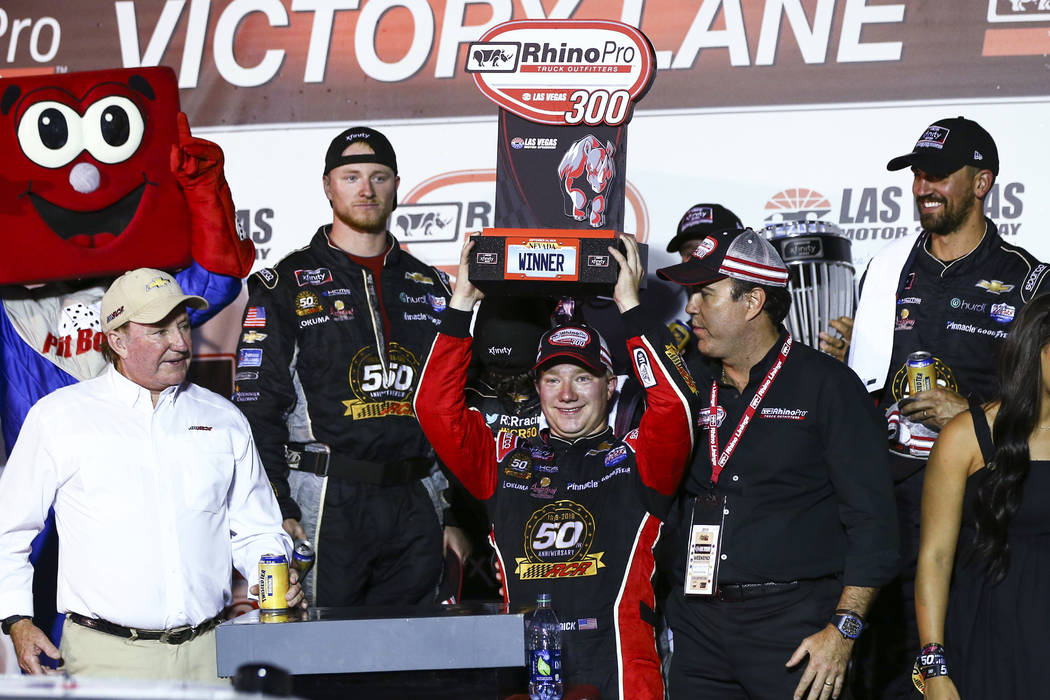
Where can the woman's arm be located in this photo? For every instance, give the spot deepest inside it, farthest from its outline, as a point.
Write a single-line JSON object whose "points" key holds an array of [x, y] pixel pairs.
{"points": [[955, 455]]}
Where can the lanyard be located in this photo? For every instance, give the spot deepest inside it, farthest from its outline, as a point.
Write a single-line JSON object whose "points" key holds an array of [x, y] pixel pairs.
{"points": [[718, 462]]}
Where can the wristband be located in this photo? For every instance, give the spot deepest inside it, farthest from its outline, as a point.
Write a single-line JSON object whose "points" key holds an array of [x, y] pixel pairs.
{"points": [[7, 622], [929, 664]]}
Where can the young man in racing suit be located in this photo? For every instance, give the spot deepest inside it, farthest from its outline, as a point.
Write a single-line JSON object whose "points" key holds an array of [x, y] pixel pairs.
{"points": [[333, 339], [575, 512]]}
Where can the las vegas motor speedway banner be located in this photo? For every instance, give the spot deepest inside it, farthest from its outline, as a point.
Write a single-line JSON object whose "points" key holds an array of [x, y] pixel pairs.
{"points": [[774, 108]]}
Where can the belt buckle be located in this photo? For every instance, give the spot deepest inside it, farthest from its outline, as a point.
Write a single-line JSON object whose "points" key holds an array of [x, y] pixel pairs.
{"points": [[178, 635], [327, 462]]}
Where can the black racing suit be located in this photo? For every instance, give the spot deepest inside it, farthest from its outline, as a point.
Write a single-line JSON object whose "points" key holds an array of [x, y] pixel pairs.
{"points": [[577, 519], [329, 395], [960, 312]]}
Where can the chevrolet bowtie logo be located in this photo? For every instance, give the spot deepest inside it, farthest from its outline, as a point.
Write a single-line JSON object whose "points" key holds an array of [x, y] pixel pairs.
{"points": [[994, 286]]}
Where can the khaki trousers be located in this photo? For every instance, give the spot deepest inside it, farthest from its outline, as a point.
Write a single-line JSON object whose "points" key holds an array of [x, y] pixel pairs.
{"points": [[89, 652]]}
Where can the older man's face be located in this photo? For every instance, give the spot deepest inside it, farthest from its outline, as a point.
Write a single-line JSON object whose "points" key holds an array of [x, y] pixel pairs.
{"points": [[157, 355]]}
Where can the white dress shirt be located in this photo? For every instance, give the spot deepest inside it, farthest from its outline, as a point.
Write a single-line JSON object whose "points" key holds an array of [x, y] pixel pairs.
{"points": [[152, 504]]}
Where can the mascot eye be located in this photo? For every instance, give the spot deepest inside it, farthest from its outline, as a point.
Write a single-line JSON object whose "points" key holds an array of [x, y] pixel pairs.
{"points": [[49, 134], [113, 129]]}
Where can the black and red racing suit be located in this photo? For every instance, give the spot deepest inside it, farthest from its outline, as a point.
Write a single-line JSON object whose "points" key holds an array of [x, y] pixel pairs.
{"points": [[576, 519]]}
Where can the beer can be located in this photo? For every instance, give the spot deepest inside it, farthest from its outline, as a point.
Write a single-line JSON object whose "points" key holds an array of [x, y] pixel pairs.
{"points": [[303, 558], [273, 582], [921, 373]]}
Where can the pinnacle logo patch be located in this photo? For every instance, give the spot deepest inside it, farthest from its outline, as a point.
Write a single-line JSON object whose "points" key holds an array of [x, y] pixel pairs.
{"points": [[558, 540]]}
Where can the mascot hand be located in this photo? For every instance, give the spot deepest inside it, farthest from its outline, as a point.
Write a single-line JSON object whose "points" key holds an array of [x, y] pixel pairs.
{"points": [[216, 243]]}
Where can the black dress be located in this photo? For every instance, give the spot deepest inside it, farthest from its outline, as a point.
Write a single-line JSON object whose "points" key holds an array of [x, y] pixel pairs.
{"points": [[997, 643]]}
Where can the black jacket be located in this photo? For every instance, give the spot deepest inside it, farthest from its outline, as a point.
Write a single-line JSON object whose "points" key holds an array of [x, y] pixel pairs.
{"points": [[807, 487], [313, 365]]}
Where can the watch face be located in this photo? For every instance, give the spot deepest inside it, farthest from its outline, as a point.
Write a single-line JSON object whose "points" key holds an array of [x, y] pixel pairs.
{"points": [[850, 626]]}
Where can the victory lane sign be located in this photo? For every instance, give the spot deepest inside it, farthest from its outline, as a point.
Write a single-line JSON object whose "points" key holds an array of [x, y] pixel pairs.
{"points": [[566, 91]]}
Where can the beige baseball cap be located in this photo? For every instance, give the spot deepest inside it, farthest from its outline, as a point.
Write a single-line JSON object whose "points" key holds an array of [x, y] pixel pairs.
{"points": [[144, 295]]}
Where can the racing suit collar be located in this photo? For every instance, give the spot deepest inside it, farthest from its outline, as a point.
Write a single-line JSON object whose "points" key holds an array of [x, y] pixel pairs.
{"points": [[557, 442], [323, 245], [988, 242]]}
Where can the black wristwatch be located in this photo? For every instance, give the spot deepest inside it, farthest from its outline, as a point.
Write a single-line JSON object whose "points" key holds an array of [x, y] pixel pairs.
{"points": [[848, 623], [5, 624]]}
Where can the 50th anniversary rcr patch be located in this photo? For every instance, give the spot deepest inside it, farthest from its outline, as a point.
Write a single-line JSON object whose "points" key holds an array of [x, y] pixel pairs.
{"points": [[558, 540], [380, 391]]}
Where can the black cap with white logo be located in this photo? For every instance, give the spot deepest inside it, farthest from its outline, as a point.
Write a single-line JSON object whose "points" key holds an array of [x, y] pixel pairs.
{"points": [[701, 220], [949, 144], [382, 151]]}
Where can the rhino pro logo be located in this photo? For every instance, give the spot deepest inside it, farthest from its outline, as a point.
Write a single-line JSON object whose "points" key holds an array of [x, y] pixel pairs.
{"points": [[587, 158], [591, 71], [424, 223], [494, 57]]}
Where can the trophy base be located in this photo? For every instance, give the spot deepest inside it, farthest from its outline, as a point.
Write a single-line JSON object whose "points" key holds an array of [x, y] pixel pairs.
{"points": [[547, 262]]}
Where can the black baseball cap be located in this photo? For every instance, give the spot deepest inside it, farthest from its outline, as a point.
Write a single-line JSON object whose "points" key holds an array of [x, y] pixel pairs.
{"points": [[383, 152], [744, 255], [700, 220], [575, 343], [949, 144], [507, 332]]}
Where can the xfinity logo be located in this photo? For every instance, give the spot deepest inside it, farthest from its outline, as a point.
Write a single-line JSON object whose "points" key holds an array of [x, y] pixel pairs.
{"points": [[504, 351]]}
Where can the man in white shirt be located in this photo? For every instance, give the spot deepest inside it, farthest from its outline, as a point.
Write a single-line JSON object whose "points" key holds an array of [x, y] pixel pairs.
{"points": [[147, 471]]}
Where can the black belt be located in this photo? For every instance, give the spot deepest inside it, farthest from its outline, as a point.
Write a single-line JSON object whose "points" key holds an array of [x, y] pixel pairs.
{"points": [[176, 635], [397, 472], [737, 592]]}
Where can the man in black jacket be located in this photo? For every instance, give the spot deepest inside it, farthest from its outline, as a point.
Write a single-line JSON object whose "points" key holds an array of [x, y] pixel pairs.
{"points": [[332, 345], [787, 528], [951, 291]]}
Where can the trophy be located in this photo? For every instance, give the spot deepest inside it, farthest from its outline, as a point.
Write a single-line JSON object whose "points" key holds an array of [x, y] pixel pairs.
{"points": [[566, 90], [818, 258]]}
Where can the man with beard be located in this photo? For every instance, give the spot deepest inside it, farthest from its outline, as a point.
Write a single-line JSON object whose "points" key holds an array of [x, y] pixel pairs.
{"points": [[332, 344], [952, 291]]}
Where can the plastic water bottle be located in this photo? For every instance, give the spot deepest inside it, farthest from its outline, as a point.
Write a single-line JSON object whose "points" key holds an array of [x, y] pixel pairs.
{"points": [[543, 645]]}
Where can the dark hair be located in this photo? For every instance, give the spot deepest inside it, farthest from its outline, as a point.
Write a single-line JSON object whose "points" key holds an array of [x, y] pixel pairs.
{"points": [[1021, 386], [778, 299]]}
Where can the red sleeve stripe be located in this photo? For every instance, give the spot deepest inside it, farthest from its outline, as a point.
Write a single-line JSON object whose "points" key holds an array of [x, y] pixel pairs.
{"points": [[637, 662]]}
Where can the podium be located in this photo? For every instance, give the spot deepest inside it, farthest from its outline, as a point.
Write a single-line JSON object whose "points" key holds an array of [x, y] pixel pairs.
{"points": [[475, 650]]}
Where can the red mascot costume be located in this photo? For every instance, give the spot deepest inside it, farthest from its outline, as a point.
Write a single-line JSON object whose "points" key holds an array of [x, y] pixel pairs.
{"points": [[98, 175]]}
